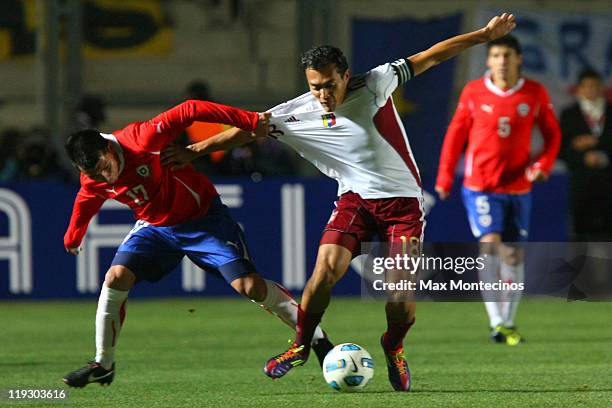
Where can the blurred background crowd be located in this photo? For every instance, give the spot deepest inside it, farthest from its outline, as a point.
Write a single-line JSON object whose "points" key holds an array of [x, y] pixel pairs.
{"points": [[29, 154]]}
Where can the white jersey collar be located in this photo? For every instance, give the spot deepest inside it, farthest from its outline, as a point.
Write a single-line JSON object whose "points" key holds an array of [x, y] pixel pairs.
{"points": [[117, 147], [498, 91]]}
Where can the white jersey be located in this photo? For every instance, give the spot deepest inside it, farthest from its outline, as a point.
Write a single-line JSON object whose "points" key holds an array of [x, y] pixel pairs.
{"points": [[362, 144]]}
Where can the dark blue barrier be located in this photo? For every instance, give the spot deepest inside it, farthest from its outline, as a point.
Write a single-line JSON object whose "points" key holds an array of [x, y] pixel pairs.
{"points": [[282, 219]]}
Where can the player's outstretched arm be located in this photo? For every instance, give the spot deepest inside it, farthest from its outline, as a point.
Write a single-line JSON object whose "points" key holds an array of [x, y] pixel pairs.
{"points": [[497, 27], [178, 155], [86, 206]]}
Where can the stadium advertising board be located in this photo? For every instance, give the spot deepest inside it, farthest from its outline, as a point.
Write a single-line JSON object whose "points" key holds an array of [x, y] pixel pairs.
{"points": [[282, 220]]}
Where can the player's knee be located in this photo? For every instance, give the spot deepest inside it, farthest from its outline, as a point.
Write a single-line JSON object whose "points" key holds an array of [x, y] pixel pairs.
{"points": [[512, 256], [491, 237], [489, 243], [119, 277]]}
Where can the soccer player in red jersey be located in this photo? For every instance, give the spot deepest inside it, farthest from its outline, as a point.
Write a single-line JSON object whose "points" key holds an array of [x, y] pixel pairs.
{"points": [[495, 117], [179, 214], [349, 129]]}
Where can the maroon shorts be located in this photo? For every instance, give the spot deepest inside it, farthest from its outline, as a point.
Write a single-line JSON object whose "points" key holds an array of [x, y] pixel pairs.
{"points": [[398, 220]]}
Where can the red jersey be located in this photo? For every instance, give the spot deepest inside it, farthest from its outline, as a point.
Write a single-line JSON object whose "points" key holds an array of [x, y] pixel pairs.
{"points": [[156, 193], [497, 126]]}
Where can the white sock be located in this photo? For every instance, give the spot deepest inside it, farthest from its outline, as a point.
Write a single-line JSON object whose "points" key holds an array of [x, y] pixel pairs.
{"points": [[279, 302], [109, 319], [490, 273], [510, 273]]}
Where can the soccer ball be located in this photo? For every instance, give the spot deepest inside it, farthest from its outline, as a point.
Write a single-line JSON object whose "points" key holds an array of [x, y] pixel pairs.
{"points": [[348, 367]]}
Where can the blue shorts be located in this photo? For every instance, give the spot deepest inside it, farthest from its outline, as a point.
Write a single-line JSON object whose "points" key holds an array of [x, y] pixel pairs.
{"points": [[506, 214], [214, 242]]}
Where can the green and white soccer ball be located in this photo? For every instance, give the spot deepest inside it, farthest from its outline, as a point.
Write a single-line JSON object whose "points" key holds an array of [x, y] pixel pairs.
{"points": [[348, 367]]}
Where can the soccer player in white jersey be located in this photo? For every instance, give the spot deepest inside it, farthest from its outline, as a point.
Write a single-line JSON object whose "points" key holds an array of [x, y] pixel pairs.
{"points": [[349, 129]]}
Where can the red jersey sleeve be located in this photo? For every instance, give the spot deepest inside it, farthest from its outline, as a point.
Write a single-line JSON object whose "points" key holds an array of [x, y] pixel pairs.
{"points": [[551, 133], [454, 141], [157, 133], [86, 205]]}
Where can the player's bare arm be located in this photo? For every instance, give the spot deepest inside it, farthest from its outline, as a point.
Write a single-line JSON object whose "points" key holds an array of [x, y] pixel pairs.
{"points": [[228, 139], [497, 27], [179, 156]]}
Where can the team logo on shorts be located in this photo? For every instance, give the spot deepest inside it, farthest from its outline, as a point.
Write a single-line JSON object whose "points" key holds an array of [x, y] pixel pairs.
{"points": [[485, 220], [523, 109], [329, 120], [143, 170]]}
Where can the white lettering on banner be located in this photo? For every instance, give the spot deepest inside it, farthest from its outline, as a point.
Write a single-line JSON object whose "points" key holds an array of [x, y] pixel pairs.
{"points": [[556, 47], [193, 277], [231, 194], [98, 236], [293, 236], [16, 247], [112, 235]]}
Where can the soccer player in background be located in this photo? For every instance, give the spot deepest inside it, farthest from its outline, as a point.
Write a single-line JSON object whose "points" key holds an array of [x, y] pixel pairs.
{"points": [[179, 214], [349, 129], [495, 117]]}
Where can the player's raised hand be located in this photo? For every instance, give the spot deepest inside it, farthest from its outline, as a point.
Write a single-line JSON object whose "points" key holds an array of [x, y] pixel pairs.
{"points": [[73, 251], [442, 193], [177, 156], [263, 124], [536, 175], [499, 26]]}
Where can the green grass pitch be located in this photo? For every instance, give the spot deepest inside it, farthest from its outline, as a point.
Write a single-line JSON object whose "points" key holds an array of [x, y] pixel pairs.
{"points": [[209, 352]]}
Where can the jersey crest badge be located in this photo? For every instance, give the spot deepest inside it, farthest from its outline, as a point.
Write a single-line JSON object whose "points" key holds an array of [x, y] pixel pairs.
{"points": [[523, 109], [329, 120], [486, 108], [143, 170]]}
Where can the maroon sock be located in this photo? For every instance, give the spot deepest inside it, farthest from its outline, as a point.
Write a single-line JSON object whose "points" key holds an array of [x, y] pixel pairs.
{"points": [[394, 336], [306, 325]]}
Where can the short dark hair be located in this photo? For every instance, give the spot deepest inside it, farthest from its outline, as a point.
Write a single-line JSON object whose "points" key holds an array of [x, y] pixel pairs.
{"points": [[322, 56], [509, 41], [589, 73], [85, 147]]}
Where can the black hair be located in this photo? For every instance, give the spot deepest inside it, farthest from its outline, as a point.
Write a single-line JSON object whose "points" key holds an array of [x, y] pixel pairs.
{"points": [[322, 56], [509, 41], [589, 73], [85, 147]]}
